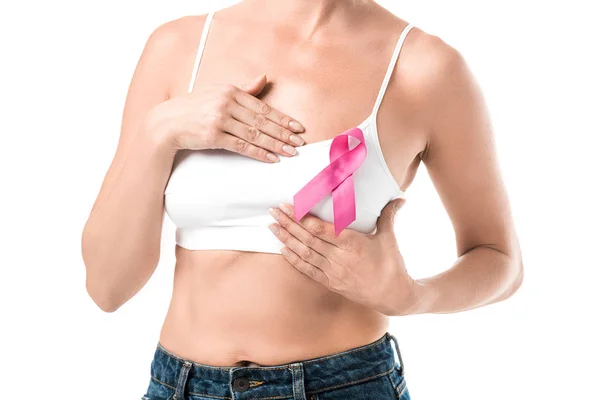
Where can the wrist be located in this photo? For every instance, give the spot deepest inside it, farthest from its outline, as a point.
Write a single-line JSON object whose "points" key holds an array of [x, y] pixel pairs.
{"points": [[158, 133], [156, 142], [418, 298], [425, 297]]}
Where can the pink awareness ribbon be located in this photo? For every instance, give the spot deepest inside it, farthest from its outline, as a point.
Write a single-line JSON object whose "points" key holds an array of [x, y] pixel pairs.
{"points": [[336, 179]]}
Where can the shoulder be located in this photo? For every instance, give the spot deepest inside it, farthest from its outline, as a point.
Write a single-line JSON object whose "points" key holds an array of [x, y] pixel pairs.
{"points": [[428, 64], [437, 81], [171, 47], [177, 34]]}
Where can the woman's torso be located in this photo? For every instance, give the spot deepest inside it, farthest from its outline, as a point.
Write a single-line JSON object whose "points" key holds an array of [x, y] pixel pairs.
{"points": [[230, 306]]}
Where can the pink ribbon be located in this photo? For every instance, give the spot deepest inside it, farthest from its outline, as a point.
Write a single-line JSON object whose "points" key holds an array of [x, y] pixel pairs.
{"points": [[336, 179]]}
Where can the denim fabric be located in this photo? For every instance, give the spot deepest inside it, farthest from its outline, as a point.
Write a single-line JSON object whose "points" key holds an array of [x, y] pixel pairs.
{"points": [[368, 372]]}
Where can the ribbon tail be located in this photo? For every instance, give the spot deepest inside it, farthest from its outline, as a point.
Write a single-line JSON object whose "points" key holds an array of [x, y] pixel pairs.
{"points": [[326, 182], [336, 179], [314, 191], [344, 205]]}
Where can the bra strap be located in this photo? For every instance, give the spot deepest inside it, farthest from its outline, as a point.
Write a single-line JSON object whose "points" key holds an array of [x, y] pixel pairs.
{"points": [[200, 50], [390, 68]]}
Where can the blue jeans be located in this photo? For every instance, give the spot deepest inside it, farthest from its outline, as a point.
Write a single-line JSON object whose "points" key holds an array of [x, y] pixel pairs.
{"points": [[368, 372]]}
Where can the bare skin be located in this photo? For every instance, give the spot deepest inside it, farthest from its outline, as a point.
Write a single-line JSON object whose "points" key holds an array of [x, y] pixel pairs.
{"points": [[244, 308]]}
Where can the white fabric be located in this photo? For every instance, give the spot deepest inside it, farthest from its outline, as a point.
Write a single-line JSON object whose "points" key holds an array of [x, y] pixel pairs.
{"points": [[200, 49], [220, 199]]}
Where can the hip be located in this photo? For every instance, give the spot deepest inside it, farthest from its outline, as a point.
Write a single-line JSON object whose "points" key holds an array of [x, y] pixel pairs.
{"points": [[366, 372]]}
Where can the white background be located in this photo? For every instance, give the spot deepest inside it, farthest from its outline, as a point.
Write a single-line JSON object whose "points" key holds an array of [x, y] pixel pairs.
{"points": [[64, 72]]}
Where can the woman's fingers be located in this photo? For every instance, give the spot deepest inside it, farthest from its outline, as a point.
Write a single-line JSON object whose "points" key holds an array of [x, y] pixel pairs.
{"points": [[259, 148], [244, 124], [263, 132], [239, 145], [260, 115], [258, 106], [264, 123]]}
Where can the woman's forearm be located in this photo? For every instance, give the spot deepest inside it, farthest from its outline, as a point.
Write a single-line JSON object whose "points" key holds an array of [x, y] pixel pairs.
{"points": [[121, 239], [479, 277]]}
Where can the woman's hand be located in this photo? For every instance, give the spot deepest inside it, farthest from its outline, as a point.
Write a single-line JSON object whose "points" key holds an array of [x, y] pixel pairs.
{"points": [[224, 116], [367, 269]]}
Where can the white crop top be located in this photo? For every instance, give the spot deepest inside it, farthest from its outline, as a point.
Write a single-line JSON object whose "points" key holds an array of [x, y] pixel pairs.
{"points": [[219, 199]]}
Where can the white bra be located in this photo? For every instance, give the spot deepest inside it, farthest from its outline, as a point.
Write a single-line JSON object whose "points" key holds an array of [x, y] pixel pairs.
{"points": [[220, 199]]}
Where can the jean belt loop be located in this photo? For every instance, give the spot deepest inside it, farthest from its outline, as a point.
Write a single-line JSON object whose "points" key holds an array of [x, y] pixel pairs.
{"points": [[183, 375], [390, 336], [298, 380]]}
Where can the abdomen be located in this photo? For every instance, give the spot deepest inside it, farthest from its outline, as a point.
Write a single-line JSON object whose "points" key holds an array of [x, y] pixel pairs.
{"points": [[229, 306]]}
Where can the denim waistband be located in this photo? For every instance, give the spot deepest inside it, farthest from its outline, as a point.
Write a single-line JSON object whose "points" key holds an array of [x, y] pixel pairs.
{"points": [[312, 375]]}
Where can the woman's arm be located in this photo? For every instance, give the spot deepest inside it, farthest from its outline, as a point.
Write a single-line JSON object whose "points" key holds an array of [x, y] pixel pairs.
{"points": [[462, 162], [121, 238]]}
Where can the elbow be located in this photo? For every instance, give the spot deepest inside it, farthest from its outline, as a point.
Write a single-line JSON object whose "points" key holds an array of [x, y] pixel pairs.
{"points": [[520, 274], [110, 288], [110, 280], [516, 278], [107, 307], [97, 287], [102, 297]]}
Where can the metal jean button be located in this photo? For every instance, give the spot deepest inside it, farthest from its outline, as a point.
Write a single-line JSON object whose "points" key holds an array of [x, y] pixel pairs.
{"points": [[241, 384]]}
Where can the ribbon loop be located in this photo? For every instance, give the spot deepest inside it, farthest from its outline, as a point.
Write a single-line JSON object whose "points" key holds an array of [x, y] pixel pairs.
{"points": [[335, 178]]}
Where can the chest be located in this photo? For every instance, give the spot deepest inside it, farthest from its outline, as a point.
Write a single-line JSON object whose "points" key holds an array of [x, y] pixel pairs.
{"points": [[217, 187], [328, 87]]}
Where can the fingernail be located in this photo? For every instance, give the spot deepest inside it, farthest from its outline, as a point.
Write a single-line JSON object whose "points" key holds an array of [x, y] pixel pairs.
{"points": [[285, 209], [274, 229], [297, 139], [289, 149], [273, 157], [273, 213], [296, 126], [284, 251]]}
